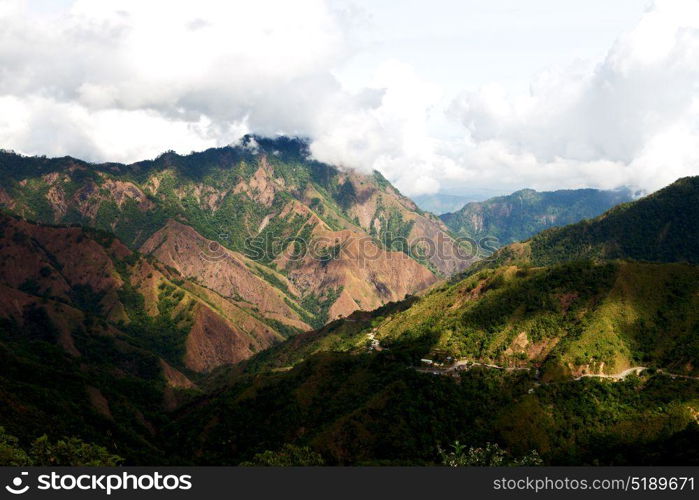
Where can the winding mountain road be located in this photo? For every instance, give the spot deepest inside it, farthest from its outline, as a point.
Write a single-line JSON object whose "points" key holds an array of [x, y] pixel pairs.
{"points": [[464, 364], [635, 370]]}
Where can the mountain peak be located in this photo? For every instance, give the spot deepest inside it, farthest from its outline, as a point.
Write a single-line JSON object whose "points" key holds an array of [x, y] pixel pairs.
{"points": [[282, 145]]}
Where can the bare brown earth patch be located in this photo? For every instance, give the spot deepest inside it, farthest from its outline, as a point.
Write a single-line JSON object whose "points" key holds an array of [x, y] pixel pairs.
{"points": [[214, 341], [99, 402], [174, 377]]}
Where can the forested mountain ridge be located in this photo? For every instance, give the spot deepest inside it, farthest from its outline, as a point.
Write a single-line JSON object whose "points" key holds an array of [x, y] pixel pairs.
{"points": [[660, 227], [522, 214]]}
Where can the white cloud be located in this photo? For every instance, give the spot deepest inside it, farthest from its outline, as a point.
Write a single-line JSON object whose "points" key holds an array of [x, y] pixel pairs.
{"points": [[180, 74], [389, 134], [630, 120], [126, 80]]}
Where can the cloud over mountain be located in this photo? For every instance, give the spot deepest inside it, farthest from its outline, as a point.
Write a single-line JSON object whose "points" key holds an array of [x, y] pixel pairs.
{"points": [[127, 80]]}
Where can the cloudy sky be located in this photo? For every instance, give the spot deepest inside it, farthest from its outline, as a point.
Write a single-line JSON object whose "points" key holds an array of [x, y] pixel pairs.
{"points": [[461, 96]]}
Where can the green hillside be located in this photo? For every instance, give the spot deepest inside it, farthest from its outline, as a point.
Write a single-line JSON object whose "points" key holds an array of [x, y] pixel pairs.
{"points": [[661, 227], [566, 320], [580, 317]]}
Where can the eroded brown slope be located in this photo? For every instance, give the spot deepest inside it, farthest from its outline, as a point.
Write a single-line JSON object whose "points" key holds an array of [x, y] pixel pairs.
{"points": [[365, 275], [376, 205], [217, 268], [80, 281]]}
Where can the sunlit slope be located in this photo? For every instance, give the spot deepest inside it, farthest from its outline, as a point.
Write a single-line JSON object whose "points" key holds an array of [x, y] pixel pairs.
{"points": [[580, 317]]}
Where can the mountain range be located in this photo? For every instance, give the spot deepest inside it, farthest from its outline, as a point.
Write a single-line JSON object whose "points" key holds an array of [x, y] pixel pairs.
{"points": [[248, 302], [277, 242]]}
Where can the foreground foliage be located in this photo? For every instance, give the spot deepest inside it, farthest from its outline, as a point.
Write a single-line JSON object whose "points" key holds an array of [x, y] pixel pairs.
{"points": [[43, 453], [491, 455], [288, 456]]}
